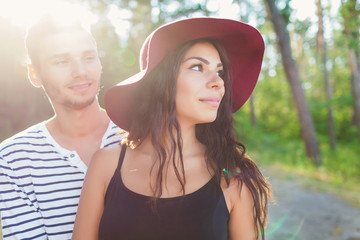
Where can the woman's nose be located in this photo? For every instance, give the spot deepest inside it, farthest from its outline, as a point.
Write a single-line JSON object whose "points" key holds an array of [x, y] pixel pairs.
{"points": [[215, 81]]}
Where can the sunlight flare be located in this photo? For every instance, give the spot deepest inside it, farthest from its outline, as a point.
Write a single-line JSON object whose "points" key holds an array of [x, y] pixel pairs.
{"points": [[23, 12]]}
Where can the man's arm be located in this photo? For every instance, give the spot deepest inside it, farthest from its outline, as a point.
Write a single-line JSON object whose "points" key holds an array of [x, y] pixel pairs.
{"points": [[20, 217]]}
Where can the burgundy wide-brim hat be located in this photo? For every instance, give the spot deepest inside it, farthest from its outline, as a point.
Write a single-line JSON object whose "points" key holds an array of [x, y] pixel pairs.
{"points": [[243, 44]]}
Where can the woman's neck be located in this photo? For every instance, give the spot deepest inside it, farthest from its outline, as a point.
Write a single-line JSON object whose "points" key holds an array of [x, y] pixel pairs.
{"points": [[189, 143]]}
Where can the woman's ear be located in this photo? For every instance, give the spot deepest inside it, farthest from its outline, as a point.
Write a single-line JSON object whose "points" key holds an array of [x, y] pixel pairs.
{"points": [[33, 76]]}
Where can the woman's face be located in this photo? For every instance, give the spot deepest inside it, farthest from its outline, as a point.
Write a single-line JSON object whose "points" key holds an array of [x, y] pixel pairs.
{"points": [[200, 87]]}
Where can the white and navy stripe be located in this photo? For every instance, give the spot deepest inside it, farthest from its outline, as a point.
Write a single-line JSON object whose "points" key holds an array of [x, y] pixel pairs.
{"points": [[40, 184]]}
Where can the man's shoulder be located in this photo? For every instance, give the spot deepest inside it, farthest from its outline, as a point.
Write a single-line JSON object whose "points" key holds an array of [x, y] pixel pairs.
{"points": [[113, 128], [113, 135], [26, 136]]}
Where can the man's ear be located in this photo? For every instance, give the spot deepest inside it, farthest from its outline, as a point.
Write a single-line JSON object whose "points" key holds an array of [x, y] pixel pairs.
{"points": [[34, 76]]}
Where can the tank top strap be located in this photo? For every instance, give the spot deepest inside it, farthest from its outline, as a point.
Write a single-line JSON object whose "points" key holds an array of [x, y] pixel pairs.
{"points": [[121, 158]]}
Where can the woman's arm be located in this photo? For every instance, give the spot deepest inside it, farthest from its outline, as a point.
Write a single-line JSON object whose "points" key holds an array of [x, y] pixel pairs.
{"points": [[241, 208], [91, 205]]}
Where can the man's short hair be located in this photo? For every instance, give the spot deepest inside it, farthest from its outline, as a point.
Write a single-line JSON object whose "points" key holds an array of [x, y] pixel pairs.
{"points": [[47, 25]]}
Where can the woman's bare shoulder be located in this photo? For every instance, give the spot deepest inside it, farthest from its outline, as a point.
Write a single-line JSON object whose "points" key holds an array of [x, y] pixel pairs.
{"points": [[235, 192], [104, 162], [107, 155]]}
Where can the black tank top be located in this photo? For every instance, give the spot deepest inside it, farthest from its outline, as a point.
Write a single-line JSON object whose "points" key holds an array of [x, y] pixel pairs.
{"points": [[201, 215]]}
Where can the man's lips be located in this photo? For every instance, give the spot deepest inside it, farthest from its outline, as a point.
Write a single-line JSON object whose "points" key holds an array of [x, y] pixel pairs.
{"points": [[79, 86]]}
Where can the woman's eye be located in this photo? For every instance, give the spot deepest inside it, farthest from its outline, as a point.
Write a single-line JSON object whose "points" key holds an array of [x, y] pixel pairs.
{"points": [[196, 67], [220, 73]]}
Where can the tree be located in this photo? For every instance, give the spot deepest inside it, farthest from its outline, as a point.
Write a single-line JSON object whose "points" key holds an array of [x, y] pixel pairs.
{"points": [[351, 21], [290, 67], [323, 51], [244, 16]]}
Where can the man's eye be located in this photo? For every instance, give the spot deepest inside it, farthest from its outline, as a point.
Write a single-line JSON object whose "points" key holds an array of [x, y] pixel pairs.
{"points": [[89, 58], [61, 62]]}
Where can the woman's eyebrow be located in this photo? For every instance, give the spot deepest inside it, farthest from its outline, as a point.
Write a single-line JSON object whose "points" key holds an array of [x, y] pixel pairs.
{"points": [[202, 60]]}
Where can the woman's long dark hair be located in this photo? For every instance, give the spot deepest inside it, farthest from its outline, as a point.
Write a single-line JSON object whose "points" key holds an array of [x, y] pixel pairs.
{"points": [[154, 116]]}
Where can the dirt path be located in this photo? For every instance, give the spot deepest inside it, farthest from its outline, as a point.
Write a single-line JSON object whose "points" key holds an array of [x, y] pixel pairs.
{"points": [[304, 214]]}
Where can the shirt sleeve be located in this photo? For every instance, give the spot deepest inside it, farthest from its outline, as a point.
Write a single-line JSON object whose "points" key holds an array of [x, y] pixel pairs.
{"points": [[20, 215]]}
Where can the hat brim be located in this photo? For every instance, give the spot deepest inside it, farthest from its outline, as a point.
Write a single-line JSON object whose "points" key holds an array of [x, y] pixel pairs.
{"points": [[242, 42]]}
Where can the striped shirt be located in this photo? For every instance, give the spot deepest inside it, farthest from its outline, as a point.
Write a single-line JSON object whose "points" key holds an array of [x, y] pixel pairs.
{"points": [[40, 184]]}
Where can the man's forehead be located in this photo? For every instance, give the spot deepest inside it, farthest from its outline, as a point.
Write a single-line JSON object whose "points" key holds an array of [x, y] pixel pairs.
{"points": [[68, 42]]}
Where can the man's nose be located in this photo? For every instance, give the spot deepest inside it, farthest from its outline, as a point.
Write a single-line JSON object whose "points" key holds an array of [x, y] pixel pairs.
{"points": [[78, 68]]}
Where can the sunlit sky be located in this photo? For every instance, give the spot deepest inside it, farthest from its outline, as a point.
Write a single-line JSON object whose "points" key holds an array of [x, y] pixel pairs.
{"points": [[22, 11]]}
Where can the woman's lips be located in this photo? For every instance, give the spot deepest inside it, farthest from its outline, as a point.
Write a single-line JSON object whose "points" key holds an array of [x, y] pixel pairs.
{"points": [[211, 101]]}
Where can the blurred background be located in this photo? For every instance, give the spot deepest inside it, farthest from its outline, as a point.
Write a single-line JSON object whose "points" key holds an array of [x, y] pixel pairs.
{"points": [[304, 115]]}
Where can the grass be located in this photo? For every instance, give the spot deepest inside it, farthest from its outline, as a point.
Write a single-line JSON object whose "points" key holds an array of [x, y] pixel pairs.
{"points": [[339, 173], [317, 181]]}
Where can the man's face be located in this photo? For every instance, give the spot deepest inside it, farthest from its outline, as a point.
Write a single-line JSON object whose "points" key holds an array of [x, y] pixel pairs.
{"points": [[69, 69]]}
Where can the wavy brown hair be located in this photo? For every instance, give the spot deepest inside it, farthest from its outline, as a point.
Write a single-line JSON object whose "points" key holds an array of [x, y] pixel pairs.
{"points": [[154, 116]]}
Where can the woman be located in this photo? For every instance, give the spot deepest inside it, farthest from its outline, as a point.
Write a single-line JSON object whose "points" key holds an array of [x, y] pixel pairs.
{"points": [[180, 174]]}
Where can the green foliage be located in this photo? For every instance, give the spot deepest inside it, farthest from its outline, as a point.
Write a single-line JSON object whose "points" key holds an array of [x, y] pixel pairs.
{"points": [[273, 103], [339, 166], [285, 10], [343, 164], [350, 12]]}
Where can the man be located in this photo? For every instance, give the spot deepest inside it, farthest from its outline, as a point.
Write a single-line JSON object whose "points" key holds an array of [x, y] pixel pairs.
{"points": [[42, 168]]}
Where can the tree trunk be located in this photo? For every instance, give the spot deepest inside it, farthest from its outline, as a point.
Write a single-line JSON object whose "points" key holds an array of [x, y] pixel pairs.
{"points": [[323, 50], [351, 23], [355, 86], [301, 105], [244, 16], [252, 111]]}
